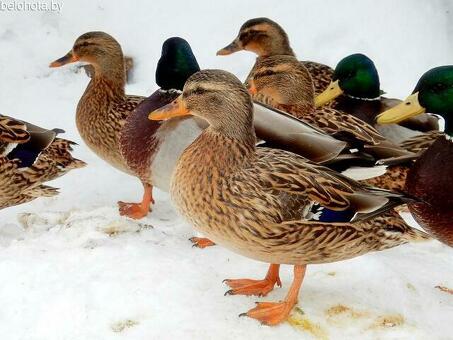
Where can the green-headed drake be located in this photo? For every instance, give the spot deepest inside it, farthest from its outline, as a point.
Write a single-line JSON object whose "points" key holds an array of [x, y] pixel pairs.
{"points": [[355, 89], [430, 177]]}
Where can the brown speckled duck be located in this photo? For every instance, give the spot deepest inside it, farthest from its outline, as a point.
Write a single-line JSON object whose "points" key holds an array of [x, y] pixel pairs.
{"points": [[256, 201], [430, 177], [116, 127], [266, 38], [284, 83], [29, 157], [104, 106]]}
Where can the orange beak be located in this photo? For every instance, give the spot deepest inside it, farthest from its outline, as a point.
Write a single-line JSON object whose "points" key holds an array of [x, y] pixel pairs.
{"points": [[67, 59], [176, 108], [252, 88]]}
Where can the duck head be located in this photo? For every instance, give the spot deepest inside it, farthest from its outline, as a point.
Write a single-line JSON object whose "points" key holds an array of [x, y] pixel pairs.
{"points": [[176, 64], [216, 96], [284, 79], [433, 94], [261, 36], [355, 76], [98, 49]]}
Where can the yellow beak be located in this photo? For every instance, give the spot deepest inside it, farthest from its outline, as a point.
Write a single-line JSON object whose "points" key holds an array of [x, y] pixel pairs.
{"points": [[67, 59], [175, 109], [330, 93], [409, 108]]}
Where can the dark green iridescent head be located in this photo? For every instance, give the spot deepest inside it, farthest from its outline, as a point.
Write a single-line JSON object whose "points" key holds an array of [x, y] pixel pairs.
{"points": [[357, 76], [435, 93], [176, 64]]}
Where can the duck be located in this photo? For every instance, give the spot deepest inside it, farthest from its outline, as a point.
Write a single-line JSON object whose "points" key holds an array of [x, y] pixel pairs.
{"points": [[355, 89], [244, 198], [29, 157], [429, 177], [266, 38], [114, 125], [285, 84]]}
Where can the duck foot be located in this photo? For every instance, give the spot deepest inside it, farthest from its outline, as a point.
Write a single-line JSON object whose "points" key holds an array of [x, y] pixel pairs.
{"points": [[255, 287], [273, 313], [132, 210], [201, 242], [138, 210], [270, 313]]}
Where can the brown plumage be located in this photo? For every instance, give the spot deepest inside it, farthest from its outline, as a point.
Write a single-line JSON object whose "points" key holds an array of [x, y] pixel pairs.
{"points": [[284, 83], [266, 38], [104, 107], [29, 157], [237, 195]]}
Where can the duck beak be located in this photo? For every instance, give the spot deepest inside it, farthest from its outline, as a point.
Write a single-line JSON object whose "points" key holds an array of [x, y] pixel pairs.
{"points": [[67, 59], [252, 88], [235, 46], [176, 108], [330, 93], [409, 108]]}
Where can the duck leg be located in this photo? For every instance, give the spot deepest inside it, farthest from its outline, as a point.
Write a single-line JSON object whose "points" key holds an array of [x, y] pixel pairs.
{"points": [[255, 287], [138, 210], [273, 313], [201, 242]]}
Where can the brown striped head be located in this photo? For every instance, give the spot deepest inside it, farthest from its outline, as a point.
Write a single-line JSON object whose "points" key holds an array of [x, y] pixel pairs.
{"points": [[261, 36], [97, 48], [284, 79], [216, 96]]}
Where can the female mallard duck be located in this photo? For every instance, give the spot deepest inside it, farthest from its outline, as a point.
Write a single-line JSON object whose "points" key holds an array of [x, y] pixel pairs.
{"points": [[430, 177], [255, 201], [104, 106], [355, 89], [29, 157], [284, 83], [266, 38], [128, 141]]}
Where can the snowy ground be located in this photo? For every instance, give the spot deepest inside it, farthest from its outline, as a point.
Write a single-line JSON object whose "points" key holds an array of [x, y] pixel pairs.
{"points": [[71, 268]]}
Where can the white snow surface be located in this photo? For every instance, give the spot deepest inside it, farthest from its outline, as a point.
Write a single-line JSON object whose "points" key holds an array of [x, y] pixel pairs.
{"points": [[72, 268]]}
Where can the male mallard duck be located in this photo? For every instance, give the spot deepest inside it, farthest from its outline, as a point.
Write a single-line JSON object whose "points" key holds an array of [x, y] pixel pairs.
{"points": [[147, 149], [355, 89], [255, 201], [29, 157], [430, 178], [266, 38]]}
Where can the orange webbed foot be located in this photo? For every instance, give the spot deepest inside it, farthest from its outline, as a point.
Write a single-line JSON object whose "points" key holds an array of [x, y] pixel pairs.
{"points": [[270, 313], [132, 210], [201, 242], [255, 287], [251, 287]]}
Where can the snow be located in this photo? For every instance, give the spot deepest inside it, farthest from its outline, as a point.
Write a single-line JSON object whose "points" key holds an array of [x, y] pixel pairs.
{"points": [[71, 268]]}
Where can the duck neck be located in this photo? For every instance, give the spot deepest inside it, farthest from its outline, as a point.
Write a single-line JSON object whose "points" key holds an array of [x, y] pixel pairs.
{"points": [[109, 77], [281, 47]]}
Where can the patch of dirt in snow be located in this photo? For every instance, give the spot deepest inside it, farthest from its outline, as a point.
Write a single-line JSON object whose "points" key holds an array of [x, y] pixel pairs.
{"points": [[120, 326]]}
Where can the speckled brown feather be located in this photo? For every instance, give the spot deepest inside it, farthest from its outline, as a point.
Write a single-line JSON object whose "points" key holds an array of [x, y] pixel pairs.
{"points": [[19, 185], [421, 142], [232, 192]]}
